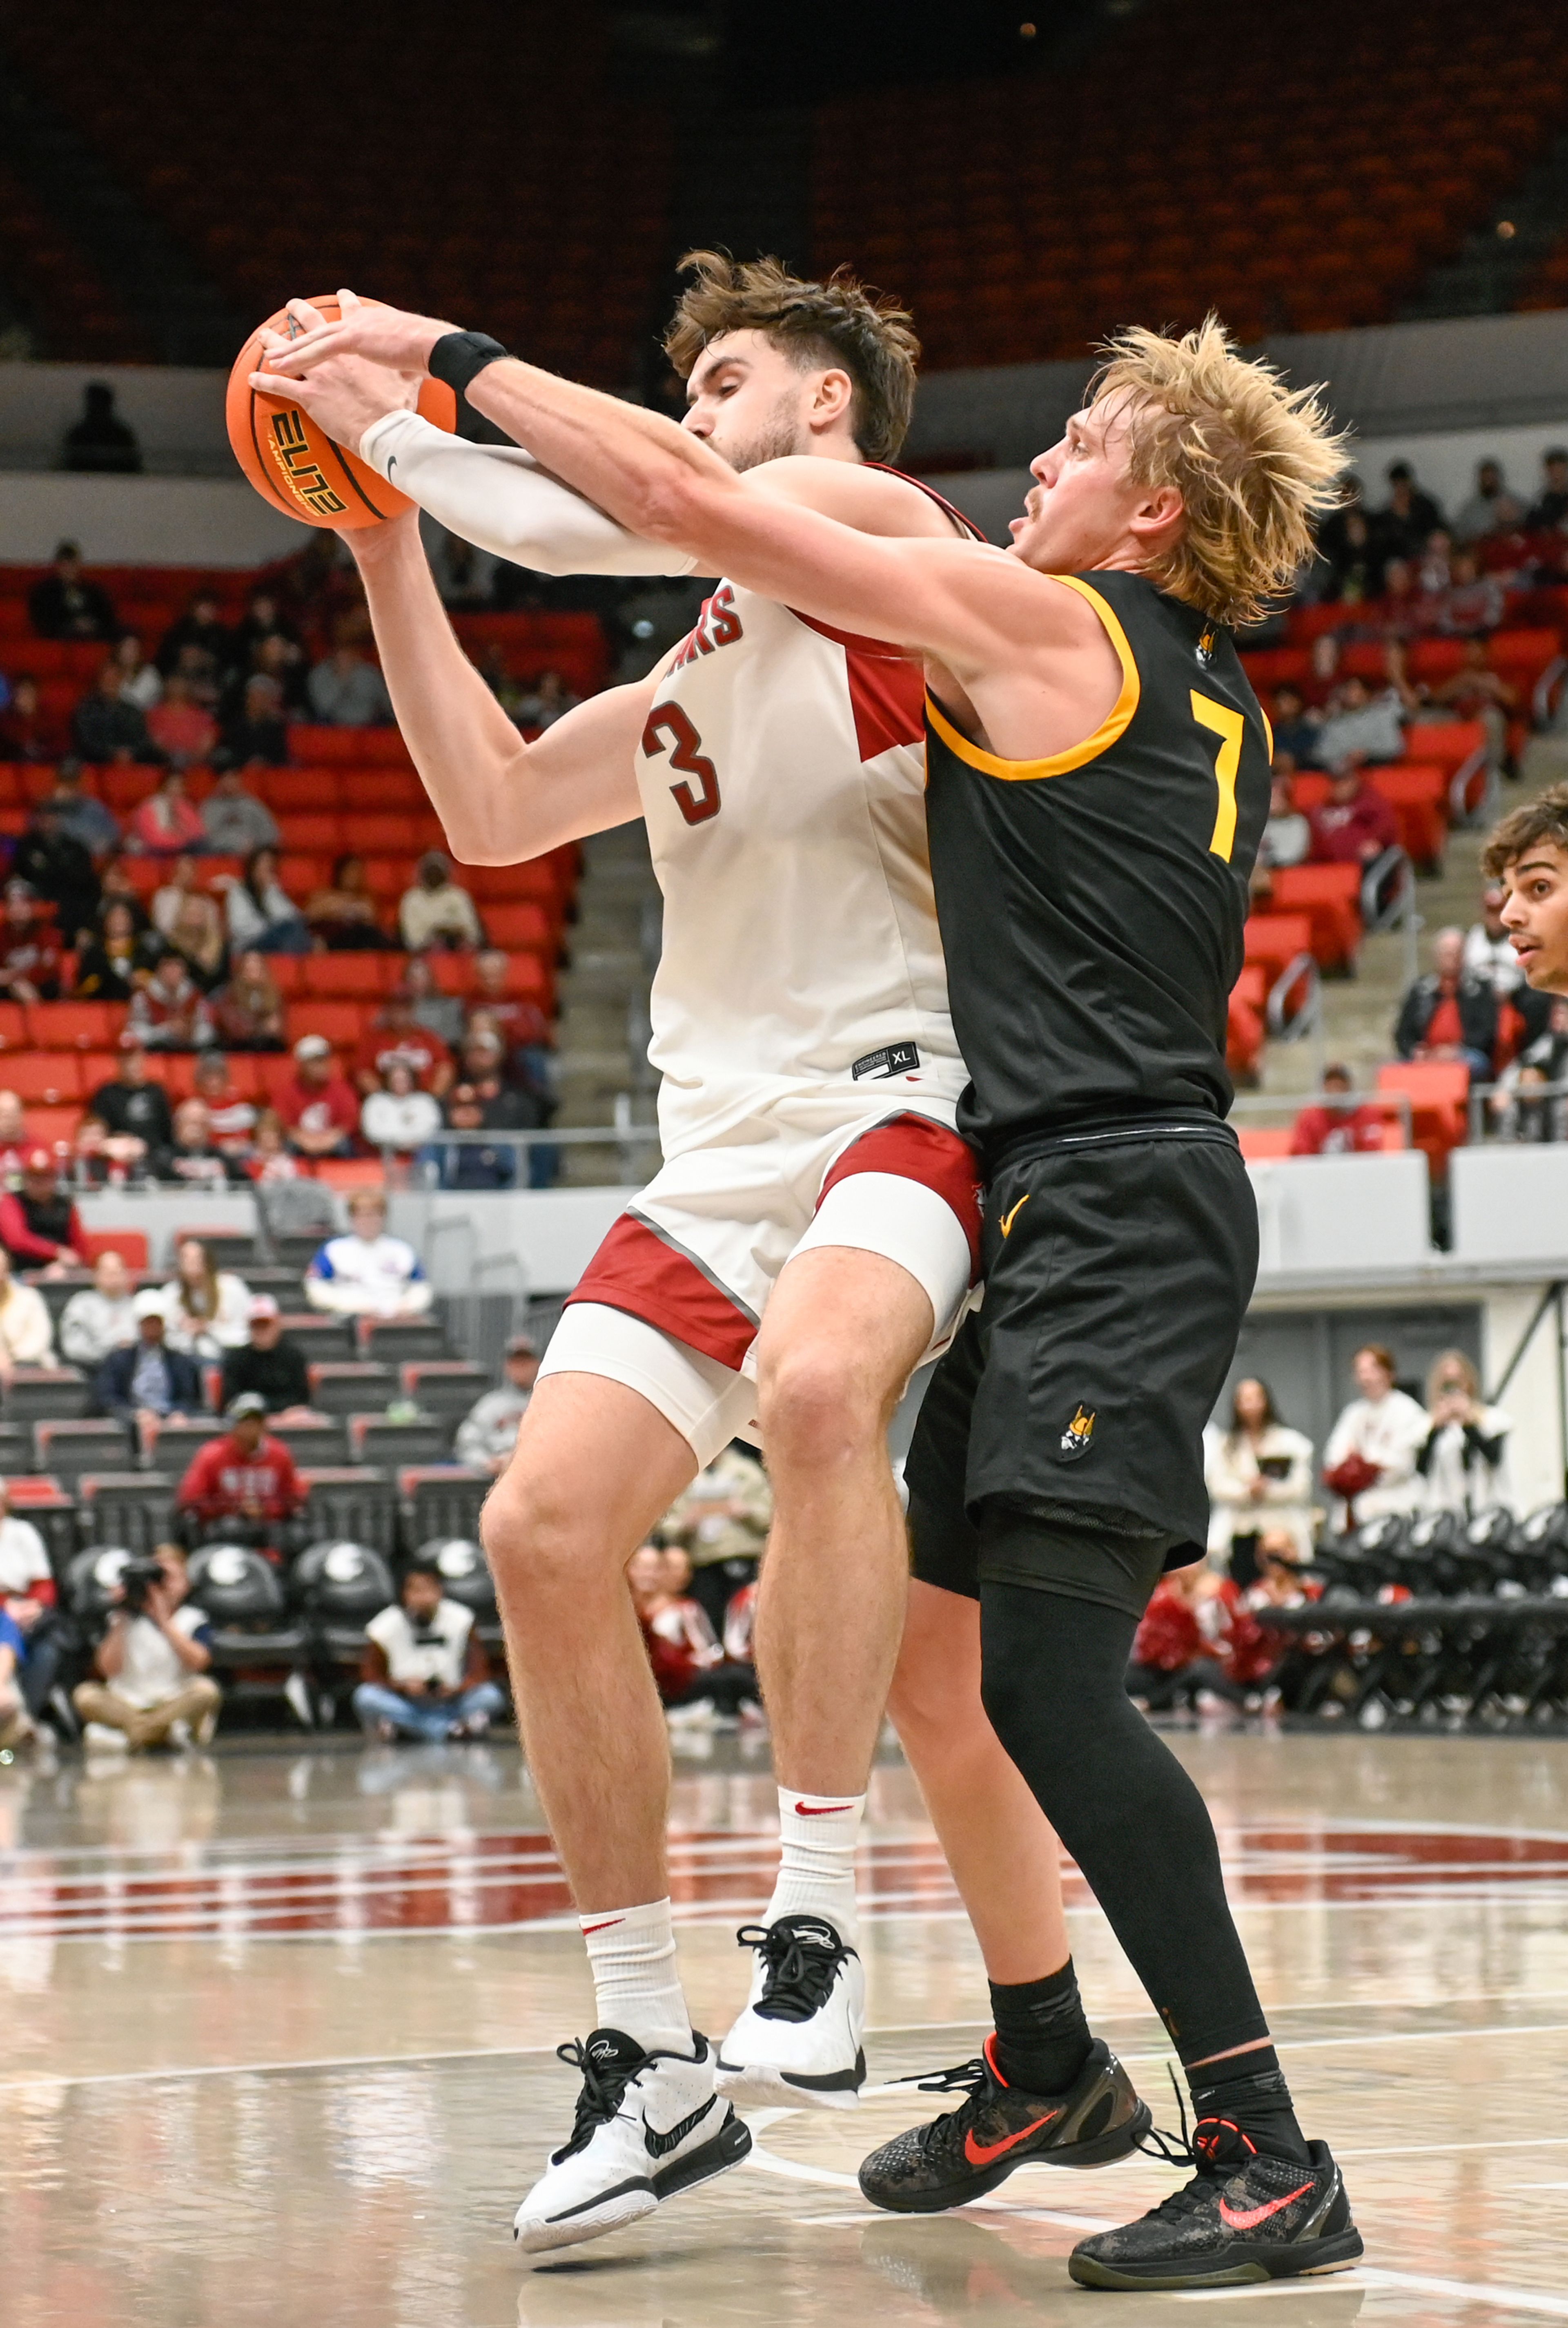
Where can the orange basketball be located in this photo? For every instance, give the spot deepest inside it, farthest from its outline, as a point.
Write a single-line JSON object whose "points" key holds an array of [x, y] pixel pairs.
{"points": [[292, 463]]}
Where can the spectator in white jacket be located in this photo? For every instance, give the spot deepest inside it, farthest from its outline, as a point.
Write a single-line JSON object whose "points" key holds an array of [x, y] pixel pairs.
{"points": [[1258, 1474], [206, 1310], [1465, 1460], [368, 1273], [1381, 1434], [101, 1317], [403, 1117], [27, 1336]]}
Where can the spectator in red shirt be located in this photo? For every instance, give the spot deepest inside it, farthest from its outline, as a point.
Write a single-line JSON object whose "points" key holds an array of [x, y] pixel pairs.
{"points": [[40, 1227], [27, 732], [170, 1012], [691, 1670], [396, 1034], [1168, 1640], [28, 956], [167, 824], [1355, 823], [184, 729], [1449, 1014], [242, 1488], [320, 1107], [1334, 1127]]}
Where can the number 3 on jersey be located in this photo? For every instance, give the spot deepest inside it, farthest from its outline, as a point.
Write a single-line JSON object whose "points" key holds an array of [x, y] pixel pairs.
{"points": [[668, 719], [1230, 728]]}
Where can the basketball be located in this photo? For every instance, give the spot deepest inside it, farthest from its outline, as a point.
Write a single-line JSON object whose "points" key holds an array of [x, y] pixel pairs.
{"points": [[291, 460]]}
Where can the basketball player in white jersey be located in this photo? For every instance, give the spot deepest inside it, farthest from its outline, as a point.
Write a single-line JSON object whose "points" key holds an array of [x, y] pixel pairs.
{"points": [[810, 1238]]}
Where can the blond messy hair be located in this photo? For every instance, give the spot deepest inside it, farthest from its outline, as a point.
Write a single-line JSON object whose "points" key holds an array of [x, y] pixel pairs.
{"points": [[1256, 463]]}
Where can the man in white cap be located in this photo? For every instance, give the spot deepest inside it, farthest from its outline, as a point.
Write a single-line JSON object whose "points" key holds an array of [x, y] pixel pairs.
{"points": [[269, 1365], [488, 1432], [145, 1381], [319, 1106]]}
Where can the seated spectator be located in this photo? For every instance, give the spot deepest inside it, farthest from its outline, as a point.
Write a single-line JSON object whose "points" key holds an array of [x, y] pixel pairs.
{"points": [[16, 1724], [101, 1317], [1449, 1013], [1524, 1110], [1354, 824], [141, 682], [1338, 1125], [549, 700], [170, 1012], [1473, 601], [441, 1014], [1354, 572], [28, 1598], [167, 824], [270, 1160], [40, 1226], [241, 1488], [393, 1034], [106, 730], [194, 1159], [65, 605], [1489, 949], [184, 880], [231, 1118], [1168, 1640], [256, 733], [689, 1668], [197, 938], [1259, 1469], [488, 1432], [117, 888], [1295, 729], [28, 732], [426, 1674], [1360, 727], [29, 954], [1288, 834], [58, 869], [266, 1366], [133, 1109], [1408, 517], [234, 821], [347, 691], [522, 1025], [721, 1524], [146, 1383], [81, 816], [262, 916], [118, 959], [265, 626], [247, 1013], [491, 1106], [1490, 509], [319, 1107], [27, 1336], [366, 1274], [201, 627], [202, 675], [183, 731], [100, 443], [342, 915], [1465, 1460], [1369, 1461], [401, 1116], [91, 1165], [14, 1139], [437, 911], [1546, 512], [1476, 693], [153, 1687]]}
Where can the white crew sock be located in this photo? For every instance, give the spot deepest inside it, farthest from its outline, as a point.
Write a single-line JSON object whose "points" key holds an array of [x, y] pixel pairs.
{"points": [[816, 1870], [636, 1987]]}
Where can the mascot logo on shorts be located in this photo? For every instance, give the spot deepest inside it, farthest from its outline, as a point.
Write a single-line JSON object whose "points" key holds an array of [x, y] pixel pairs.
{"points": [[1076, 1438]]}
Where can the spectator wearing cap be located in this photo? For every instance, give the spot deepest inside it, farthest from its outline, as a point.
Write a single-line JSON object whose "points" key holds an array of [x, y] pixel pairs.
{"points": [[40, 1226], [488, 1432], [267, 1367], [437, 910], [133, 1109], [27, 1336], [65, 605], [319, 1106], [426, 1674], [243, 1486], [395, 1034], [29, 955], [170, 1012], [1336, 1126], [368, 1273], [101, 1317], [1450, 1013], [146, 1382]]}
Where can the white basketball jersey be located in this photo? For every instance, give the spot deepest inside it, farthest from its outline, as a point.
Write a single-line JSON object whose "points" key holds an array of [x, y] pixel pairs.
{"points": [[783, 774]]}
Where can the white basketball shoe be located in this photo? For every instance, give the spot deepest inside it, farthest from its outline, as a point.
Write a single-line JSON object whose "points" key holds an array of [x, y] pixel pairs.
{"points": [[800, 2037], [647, 2125]]}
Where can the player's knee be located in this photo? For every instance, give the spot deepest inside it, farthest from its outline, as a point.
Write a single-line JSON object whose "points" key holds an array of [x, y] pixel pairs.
{"points": [[816, 1406], [532, 1529]]}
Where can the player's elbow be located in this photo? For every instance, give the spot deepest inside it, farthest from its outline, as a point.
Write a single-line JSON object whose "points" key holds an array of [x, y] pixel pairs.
{"points": [[671, 503]]}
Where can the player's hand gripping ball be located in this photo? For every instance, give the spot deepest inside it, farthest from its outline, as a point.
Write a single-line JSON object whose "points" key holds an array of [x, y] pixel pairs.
{"points": [[289, 457]]}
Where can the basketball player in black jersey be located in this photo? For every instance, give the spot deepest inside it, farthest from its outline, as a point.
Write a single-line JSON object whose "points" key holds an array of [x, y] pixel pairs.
{"points": [[1098, 773]]}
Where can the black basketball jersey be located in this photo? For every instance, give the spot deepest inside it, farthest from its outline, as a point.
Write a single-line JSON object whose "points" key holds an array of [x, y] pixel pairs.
{"points": [[1092, 905]]}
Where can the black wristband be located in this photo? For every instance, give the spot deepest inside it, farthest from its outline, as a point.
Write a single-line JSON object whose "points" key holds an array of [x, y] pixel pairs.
{"points": [[460, 357]]}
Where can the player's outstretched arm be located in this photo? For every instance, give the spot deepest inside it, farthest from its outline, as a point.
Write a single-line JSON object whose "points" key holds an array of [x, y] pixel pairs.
{"points": [[499, 799]]}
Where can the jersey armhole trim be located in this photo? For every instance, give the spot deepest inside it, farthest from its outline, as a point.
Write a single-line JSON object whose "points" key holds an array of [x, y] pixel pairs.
{"points": [[1114, 724]]}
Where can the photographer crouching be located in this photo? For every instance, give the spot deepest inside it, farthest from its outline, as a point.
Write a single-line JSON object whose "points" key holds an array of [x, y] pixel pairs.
{"points": [[154, 1688]]}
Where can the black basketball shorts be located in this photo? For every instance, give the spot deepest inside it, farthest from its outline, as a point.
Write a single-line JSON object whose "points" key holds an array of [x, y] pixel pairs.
{"points": [[1061, 1441]]}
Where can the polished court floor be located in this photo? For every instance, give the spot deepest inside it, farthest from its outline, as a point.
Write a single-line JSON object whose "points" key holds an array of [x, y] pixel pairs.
{"points": [[278, 2030]]}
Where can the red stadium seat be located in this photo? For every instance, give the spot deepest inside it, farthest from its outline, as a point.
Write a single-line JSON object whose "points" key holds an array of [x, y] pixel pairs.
{"points": [[50, 1077], [372, 834], [522, 928], [310, 791], [74, 1025], [301, 832], [1259, 1142], [1418, 796], [346, 975], [1331, 897], [1438, 1092], [13, 1034], [342, 1023], [380, 789], [131, 1245]]}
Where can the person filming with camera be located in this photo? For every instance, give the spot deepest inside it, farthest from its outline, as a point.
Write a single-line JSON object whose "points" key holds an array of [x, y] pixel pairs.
{"points": [[153, 1686], [426, 1674]]}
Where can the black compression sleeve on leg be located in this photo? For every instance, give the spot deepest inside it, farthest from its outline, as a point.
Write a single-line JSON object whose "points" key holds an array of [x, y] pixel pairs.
{"points": [[1054, 1681]]}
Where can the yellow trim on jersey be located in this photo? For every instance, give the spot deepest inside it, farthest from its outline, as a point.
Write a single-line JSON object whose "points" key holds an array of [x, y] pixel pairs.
{"points": [[1268, 731], [1113, 726]]}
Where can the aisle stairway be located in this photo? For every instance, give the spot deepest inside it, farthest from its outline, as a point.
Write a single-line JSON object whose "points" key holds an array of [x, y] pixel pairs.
{"points": [[602, 1038]]}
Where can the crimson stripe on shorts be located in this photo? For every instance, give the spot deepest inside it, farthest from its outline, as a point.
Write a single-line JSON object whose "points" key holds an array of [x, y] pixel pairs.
{"points": [[636, 1270], [917, 1148]]}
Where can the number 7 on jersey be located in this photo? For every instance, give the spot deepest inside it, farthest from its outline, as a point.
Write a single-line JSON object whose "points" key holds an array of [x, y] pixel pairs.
{"points": [[1230, 728]]}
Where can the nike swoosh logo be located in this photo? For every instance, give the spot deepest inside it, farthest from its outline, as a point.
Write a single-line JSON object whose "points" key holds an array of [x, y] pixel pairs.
{"points": [[604, 1926], [660, 2145], [391, 464], [980, 2154], [820, 1810], [1247, 2219], [1008, 1218]]}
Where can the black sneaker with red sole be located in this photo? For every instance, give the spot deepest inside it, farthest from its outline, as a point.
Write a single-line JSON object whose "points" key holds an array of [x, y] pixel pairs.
{"points": [[1246, 2216], [967, 2151]]}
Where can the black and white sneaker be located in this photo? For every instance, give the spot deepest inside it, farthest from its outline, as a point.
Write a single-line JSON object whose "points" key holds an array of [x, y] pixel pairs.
{"points": [[647, 2125], [800, 2037]]}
